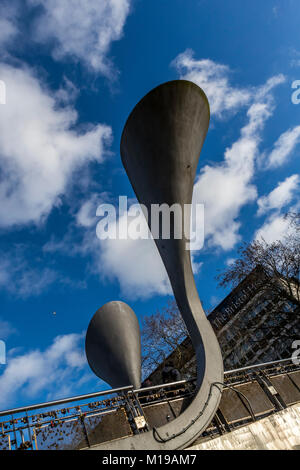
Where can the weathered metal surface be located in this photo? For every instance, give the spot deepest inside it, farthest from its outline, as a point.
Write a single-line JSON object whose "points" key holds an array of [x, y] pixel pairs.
{"points": [[158, 414], [107, 427], [160, 148], [232, 407], [162, 413], [258, 400], [286, 389], [178, 406], [235, 408], [295, 377], [113, 345]]}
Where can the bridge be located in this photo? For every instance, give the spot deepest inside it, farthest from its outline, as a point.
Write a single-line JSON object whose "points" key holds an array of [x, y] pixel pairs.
{"points": [[95, 420]]}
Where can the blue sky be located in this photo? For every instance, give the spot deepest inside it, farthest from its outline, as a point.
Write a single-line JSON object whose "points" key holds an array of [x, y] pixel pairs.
{"points": [[73, 70]]}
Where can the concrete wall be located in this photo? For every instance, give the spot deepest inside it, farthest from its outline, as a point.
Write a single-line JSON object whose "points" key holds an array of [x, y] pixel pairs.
{"points": [[280, 431]]}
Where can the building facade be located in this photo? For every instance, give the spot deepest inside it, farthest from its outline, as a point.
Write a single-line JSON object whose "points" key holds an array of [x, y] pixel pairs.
{"points": [[253, 324]]}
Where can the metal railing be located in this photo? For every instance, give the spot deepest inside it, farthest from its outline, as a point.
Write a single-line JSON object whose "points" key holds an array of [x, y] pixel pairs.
{"points": [[58, 425]]}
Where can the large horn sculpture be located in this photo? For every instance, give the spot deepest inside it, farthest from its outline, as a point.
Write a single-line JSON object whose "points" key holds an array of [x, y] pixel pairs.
{"points": [[160, 148]]}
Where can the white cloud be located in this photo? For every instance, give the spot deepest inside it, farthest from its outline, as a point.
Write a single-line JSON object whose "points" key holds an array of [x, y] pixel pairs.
{"points": [[134, 263], [39, 148], [86, 215], [8, 27], [284, 146], [214, 79], [131, 258], [275, 228], [230, 261], [82, 29], [7, 31], [280, 196], [56, 371], [226, 187]]}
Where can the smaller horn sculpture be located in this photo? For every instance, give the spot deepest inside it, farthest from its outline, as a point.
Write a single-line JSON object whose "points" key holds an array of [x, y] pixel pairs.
{"points": [[113, 345]]}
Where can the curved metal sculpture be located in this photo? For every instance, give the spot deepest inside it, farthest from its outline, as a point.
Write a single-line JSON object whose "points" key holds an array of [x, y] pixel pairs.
{"points": [[112, 355], [160, 148]]}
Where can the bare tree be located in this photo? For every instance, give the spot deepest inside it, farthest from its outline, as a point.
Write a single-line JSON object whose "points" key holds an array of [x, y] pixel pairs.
{"points": [[162, 333], [273, 267], [294, 218], [276, 266]]}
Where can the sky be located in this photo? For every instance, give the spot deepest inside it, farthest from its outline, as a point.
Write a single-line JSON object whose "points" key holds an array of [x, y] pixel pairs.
{"points": [[72, 72]]}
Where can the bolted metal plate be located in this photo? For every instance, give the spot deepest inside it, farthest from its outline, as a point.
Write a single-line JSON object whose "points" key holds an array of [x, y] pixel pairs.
{"points": [[157, 415], [233, 407], [286, 389], [295, 377], [107, 427], [259, 401]]}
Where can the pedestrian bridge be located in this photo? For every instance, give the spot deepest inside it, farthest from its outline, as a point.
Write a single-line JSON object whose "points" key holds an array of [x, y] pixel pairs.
{"points": [[93, 421]]}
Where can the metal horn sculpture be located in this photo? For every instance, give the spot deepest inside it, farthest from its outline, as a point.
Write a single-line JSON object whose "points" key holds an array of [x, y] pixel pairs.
{"points": [[160, 148], [113, 345]]}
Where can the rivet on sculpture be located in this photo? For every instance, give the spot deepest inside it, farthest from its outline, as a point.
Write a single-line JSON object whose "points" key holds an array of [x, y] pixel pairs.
{"points": [[160, 148]]}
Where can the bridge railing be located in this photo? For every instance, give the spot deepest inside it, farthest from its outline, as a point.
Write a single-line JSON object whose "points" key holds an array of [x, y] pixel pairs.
{"points": [[82, 421]]}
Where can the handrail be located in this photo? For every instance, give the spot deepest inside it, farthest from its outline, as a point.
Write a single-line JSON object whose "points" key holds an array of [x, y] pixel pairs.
{"points": [[66, 400], [263, 364], [129, 388]]}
